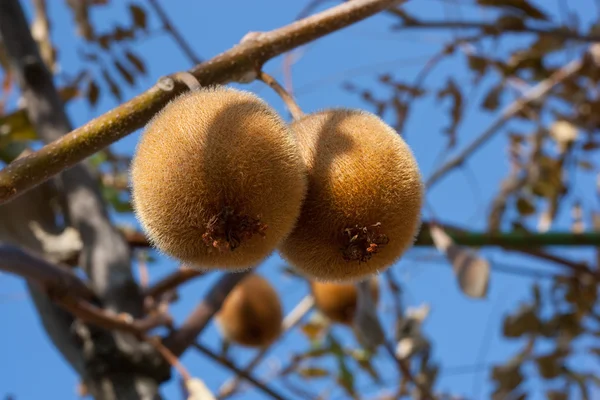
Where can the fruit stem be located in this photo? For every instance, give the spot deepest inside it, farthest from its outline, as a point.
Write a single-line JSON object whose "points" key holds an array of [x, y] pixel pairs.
{"points": [[362, 242], [227, 230], [287, 98]]}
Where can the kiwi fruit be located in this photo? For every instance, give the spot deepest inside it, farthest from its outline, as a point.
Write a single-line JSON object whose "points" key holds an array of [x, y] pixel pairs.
{"points": [[338, 301], [217, 179], [362, 210], [251, 315]]}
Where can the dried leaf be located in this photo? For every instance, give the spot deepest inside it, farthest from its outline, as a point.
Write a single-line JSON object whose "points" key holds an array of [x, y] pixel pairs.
{"points": [[68, 93], [556, 395], [313, 329], [125, 74], [550, 365], [136, 62], [452, 91], [472, 271], [586, 165], [80, 11], [313, 372], [508, 377], [524, 322], [492, 98], [525, 206], [92, 93], [138, 15]]}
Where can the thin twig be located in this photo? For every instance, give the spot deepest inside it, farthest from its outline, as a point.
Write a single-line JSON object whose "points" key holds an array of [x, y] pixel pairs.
{"points": [[289, 322], [285, 96], [170, 357], [404, 368], [236, 64], [53, 278], [496, 29], [99, 317], [537, 92], [182, 275], [239, 372], [179, 39]]}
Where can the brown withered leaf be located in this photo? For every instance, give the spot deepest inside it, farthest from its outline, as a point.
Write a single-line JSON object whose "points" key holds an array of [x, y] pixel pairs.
{"points": [[92, 93], [80, 11], [523, 7], [524, 322], [556, 395], [550, 365], [471, 270], [452, 91], [525, 206], [138, 16], [478, 65], [136, 62], [125, 74], [492, 98], [112, 85]]}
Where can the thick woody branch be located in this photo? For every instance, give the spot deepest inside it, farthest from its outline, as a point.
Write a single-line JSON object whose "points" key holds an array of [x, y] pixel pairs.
{"points": [[183, 337], [463, 237], [67, 290], [52, 278], [237, 64]]}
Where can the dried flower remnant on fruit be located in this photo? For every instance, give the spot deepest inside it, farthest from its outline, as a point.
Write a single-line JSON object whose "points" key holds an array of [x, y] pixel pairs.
{"points": [[228, 229], [361, 243]]}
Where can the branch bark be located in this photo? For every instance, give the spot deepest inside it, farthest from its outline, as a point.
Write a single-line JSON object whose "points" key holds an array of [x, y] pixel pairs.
{"points": [[237, 64], [115, 364]]}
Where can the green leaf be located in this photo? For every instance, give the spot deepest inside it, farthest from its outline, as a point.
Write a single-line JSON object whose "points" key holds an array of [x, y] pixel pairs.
{"points": [[16, 127]]}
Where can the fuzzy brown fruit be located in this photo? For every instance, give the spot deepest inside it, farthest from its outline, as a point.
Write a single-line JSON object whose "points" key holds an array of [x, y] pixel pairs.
{"points": [[251, 314], [217, 179], [365, 191], [337, 301]]}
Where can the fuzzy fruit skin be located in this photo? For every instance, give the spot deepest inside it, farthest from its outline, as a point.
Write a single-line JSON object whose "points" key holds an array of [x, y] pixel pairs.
{"points": [[360, 173], [211, 149], [337, 301], [251, 315]]}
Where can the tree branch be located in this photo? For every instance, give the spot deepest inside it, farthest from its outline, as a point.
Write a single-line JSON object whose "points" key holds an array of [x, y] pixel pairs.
{"points": [[535, 93], [237, 64], [179, 39], [239, 372], [173, 280], [463, 237], [183, 337], [52, 278], [496, 28]]}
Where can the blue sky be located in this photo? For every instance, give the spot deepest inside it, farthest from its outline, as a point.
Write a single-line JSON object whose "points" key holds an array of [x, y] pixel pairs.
{"points": [[464, 332]]}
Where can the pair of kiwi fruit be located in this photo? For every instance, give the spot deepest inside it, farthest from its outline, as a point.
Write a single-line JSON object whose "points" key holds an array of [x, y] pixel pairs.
{"points": [[219, 180], [252, 316]]}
